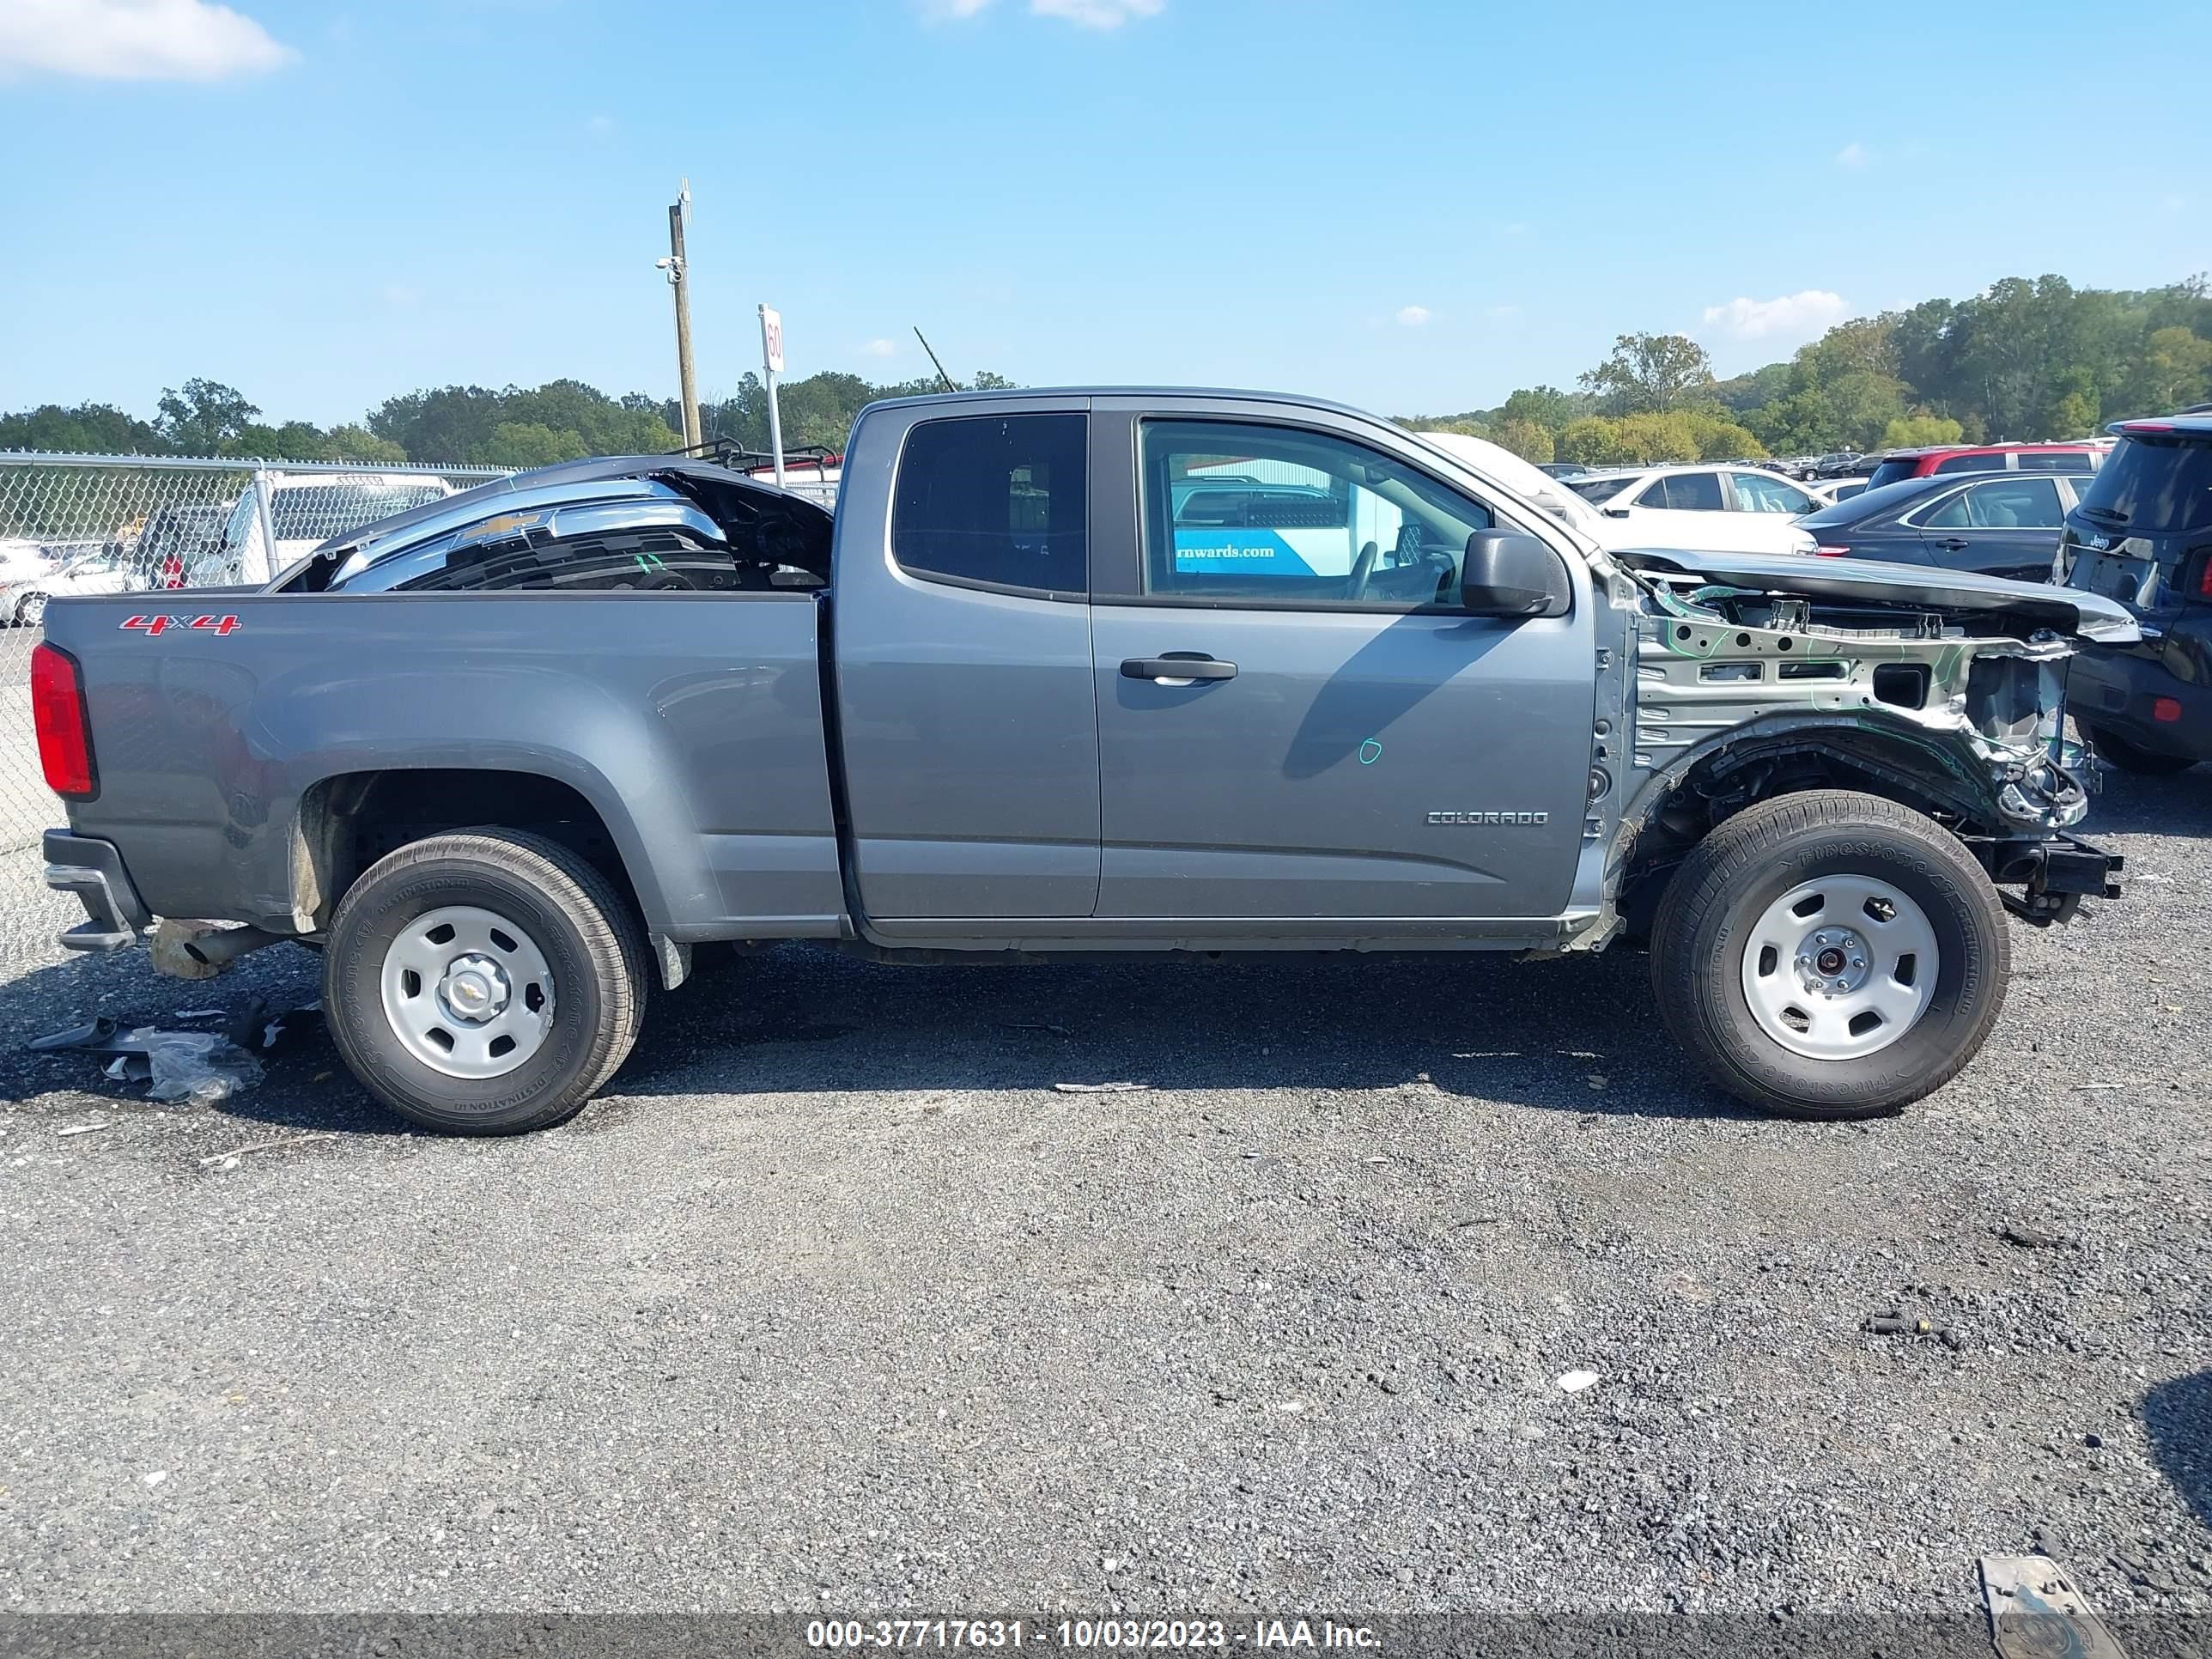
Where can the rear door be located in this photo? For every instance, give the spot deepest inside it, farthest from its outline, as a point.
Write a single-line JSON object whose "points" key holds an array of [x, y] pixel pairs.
{"points": [[962, 640], [2004, 525], [1295, 721]]}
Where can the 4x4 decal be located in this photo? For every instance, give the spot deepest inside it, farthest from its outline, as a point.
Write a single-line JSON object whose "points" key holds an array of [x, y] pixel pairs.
{"points": [[153, 626]]}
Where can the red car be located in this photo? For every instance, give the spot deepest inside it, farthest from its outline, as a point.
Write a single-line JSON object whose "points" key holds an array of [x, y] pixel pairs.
{"points": [[1901, 464]]}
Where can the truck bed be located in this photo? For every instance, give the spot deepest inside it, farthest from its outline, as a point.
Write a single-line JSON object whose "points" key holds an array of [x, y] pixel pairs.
{"points": [[215, 722]]}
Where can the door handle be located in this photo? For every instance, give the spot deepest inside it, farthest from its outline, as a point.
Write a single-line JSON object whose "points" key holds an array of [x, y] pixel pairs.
{"points": [[1177, 668], [1953, 545]]}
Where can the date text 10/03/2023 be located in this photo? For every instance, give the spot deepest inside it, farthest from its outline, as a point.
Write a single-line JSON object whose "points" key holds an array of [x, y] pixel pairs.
{"points": [[1086, 1635]]}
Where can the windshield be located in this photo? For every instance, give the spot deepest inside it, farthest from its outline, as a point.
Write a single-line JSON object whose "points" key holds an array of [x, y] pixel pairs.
{"points": [[1601, 489], [2153, 485]]}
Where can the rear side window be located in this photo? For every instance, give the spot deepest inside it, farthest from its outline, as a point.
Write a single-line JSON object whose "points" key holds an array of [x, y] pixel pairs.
{"points": [[999, 501], [1894, 472], [2153, 486], [2000, 504], [1971, 464], [2052, 460], [1600, 489], [1685, 492]]}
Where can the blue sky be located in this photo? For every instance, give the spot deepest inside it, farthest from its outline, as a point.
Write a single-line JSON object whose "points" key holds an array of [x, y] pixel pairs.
{"points": [[1415, 205]]}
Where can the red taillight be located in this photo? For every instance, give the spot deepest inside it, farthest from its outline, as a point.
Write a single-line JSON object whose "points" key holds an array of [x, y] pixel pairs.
{"points": [[2165, 710], [2204, 580], [1833, 552], [57, 714]]}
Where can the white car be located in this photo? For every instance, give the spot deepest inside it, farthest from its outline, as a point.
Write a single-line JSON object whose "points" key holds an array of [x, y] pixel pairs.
{"points": [[1719, 509], [24, 561], [306, 509], [1725, 530], [1833, 490], [23, 601]]}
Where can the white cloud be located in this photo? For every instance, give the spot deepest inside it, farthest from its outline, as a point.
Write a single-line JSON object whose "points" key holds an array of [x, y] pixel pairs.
{"points": [[881, 348], [1853, 155], [1412, 316], [1086, 14], [1794, 316], [133, 40], [1097, 14]]}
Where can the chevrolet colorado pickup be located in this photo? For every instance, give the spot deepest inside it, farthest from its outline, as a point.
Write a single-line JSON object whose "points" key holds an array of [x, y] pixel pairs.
{"points": [[1073, 673]]}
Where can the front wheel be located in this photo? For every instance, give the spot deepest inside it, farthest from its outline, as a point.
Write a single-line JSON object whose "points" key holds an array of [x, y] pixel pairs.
{"points": [[486, 982], [1830, 955], [31, 611]]}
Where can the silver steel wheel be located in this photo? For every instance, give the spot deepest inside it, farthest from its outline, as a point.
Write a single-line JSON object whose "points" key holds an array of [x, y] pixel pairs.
{"points": [[32, 610], [1839, 967], [468, 991]]}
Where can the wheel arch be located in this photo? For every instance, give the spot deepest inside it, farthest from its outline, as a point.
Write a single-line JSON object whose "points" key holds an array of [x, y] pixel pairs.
{"points": [[1886, 758], [346, 820]]}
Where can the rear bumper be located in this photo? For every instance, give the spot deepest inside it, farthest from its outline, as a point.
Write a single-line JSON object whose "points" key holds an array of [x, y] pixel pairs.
{"points": [[2117, 689], [115, 916]]}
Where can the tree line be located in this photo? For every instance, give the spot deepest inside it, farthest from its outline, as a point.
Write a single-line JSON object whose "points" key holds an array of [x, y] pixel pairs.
{"points": [[460, 425], [2026, 359]]}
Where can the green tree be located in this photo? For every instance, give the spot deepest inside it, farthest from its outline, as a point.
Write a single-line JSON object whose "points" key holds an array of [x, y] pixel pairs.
{"points": [[1544, 406], [1651, 373], [357, 443], [2174, 371], [531, 443], [203, 417], [1920, 431], [1528, 438], [85, 429]]}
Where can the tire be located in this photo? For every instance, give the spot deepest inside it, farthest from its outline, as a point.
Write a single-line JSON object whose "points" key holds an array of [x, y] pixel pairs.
{"points": [[31, 611], [562, 960], [1732, 923], [2143, 762]]}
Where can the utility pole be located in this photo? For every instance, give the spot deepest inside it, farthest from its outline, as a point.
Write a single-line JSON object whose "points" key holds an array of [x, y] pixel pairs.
{"points": [[679, 279]]}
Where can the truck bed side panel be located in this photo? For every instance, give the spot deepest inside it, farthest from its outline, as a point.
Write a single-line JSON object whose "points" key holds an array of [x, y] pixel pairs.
{"points": [[691, 722]]}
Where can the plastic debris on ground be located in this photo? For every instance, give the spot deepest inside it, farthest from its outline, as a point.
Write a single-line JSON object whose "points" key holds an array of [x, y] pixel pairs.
{"points": [[1576, 1381], [196, 1066]]}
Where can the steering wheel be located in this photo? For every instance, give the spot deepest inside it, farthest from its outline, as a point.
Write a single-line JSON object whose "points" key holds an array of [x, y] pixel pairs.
{"points": [[1355, 586]]}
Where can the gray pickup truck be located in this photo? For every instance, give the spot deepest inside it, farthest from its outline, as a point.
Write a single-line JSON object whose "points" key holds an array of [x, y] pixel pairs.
{"points": [[1069, 673]]}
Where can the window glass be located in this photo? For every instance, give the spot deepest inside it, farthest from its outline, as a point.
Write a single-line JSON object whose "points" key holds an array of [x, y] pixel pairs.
{"points": [[1276, 515], [1762, 492], [996, 500], [2153, 484], [1600, 489], [1685, 492], [1950, 514], [2052, 460], [2014, 504], [1971, 464], [1894, 472]]}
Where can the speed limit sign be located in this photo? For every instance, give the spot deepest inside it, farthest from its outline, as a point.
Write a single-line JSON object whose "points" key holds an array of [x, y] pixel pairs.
{"points": [[772, 339]]}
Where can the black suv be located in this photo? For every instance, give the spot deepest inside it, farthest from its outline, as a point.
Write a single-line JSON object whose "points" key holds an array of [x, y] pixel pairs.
{"points": [[2142, 535]]}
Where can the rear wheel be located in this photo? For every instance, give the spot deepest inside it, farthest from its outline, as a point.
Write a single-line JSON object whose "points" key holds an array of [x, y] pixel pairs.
{"points": [[31, 611], [1830, 955], [2129, 757], [485, 983]]}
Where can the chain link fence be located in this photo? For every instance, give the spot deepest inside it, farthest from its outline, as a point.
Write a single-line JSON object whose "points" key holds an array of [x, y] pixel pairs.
{"points": [[130, 523]]}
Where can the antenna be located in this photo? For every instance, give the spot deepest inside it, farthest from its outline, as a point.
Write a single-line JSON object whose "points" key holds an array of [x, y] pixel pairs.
{"points": [[948, 384]]}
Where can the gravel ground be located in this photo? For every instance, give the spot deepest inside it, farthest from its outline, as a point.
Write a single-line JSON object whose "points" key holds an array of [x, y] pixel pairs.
{"points": [[834, 1302]]}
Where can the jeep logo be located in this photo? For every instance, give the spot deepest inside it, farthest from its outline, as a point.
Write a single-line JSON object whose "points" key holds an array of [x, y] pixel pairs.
{"points": [[1490, 818]]}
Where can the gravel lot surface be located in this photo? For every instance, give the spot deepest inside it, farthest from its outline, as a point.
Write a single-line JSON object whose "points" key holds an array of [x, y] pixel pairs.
{"points": [[834, 1303]]}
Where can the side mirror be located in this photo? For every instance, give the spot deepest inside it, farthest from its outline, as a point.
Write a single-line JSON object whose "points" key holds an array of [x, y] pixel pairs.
{"points": [[1507, 573]]}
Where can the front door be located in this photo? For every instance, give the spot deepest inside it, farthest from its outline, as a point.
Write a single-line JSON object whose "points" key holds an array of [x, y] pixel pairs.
{"points": [[1294, 720]]}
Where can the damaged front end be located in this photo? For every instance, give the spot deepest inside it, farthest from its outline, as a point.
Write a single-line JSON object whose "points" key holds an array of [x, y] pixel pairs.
{"points": [[1753, 677]]}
